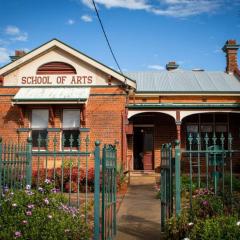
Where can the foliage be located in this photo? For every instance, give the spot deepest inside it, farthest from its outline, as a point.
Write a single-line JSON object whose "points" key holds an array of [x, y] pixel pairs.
{"points": [[235, 182], [217, 228], [40, 214], [121, 177], [206, 204], [178, 227], [211, 217], [62, 176]]}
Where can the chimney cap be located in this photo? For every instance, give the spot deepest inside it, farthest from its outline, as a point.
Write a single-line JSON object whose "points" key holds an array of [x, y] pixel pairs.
{"points": [[171, 65], [230, 44]]}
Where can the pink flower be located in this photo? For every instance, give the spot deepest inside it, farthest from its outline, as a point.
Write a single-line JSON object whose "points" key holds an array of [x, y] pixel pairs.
{"points": [[29, 213], [47, 181], [18, 234]]}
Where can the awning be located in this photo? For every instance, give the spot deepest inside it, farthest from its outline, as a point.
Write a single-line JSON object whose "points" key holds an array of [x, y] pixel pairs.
{"points": [[46, 95]]}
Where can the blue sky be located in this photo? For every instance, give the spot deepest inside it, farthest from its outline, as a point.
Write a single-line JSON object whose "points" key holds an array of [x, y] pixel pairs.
{"points": [[145, 34]]}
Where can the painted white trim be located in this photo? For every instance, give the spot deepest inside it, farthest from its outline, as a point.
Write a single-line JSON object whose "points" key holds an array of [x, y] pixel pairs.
{"points": [[132, 113], [184, 94], [48, 103], [55, 43]]}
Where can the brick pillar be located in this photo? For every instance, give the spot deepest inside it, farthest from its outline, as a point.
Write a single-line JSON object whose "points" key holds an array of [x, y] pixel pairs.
{"points": [[230, 48]]}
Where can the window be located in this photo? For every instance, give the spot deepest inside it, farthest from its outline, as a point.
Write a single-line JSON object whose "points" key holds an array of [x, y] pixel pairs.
{"points": [[71, 125], [39, 126]]}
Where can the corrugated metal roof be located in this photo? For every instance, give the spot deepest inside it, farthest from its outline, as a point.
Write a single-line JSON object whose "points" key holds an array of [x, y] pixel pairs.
{"points": [[52, 94], [185, 81]]}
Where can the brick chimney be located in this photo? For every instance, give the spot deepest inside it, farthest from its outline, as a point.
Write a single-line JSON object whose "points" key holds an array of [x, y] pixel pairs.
{"points": [[171, 66], [18, 54], [230, 48]]}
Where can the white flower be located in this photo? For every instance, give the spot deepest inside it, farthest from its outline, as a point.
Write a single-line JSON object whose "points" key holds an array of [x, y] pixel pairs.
{"points": [[186, 238], [28, 187], [190, 224], [238, 223], [14, 204]]}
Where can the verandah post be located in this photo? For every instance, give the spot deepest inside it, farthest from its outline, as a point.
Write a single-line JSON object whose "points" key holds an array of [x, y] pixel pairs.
{"points": [[178, 176], [96, 190], [29, 162]]}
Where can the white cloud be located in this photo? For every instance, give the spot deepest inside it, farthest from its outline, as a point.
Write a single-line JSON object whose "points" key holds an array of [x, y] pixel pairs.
{"points": [[86, 18], [70, 22], [156, 67], [12, 30], [23, 37], [16, 34], [4, 55], [186, 8], [129, 4], [172, 8]]}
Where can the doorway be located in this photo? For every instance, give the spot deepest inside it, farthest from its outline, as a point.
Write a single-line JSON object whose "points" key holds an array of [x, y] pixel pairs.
{"points": [[143, 148]]}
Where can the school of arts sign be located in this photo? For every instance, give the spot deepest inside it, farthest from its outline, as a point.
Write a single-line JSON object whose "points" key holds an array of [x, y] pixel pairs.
{"points": [[56, 80]]}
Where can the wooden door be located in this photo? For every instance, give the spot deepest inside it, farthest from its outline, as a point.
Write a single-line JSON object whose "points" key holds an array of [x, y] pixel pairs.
{"points": [[148, 150]]}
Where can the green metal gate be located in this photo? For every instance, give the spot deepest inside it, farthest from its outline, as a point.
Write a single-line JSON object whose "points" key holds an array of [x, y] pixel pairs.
{"points": [[207, 164], [169, 177], [107, 228]]}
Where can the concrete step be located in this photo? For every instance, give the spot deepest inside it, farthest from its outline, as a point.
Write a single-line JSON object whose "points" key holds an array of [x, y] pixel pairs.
{"points": [[143, 173]]}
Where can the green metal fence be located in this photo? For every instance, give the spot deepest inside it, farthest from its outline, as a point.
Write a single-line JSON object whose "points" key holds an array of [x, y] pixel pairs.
{"points": [[67, 167], [206, 162]]}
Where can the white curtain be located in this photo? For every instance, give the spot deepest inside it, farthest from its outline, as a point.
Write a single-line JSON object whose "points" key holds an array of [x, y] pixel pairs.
{"points": [[39, 118], [71, 118]]}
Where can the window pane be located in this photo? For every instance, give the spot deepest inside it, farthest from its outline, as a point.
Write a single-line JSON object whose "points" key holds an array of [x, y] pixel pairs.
{"points": [[206, 128], [39, 118], [71, 118], [35, 137], [192, 128], [67, 135]]}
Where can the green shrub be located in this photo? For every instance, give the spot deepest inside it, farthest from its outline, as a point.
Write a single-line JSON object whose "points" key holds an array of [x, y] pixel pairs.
{"points": [[43, 214], [217, 228]]}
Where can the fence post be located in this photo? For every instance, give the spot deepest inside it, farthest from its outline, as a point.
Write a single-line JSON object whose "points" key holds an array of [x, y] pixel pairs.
{"points": [[1, 167], [178, 176], [29, 162], [96, 190]]}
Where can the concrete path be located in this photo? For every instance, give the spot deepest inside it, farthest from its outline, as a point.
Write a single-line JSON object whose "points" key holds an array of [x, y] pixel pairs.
{"points": [[139, 214]]}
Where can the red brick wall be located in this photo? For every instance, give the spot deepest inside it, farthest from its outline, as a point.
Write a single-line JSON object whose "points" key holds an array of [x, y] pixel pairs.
{"points": [[103, 116]]}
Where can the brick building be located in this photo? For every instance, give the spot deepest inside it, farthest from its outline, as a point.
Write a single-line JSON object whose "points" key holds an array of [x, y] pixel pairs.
{"points": [[55, 90]]}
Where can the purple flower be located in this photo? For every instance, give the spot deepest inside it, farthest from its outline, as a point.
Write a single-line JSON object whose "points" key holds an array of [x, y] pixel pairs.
{"points": [[24, 222], [18, 234], [54, 190], [46, 201], [29, 213], [30, 206]]}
